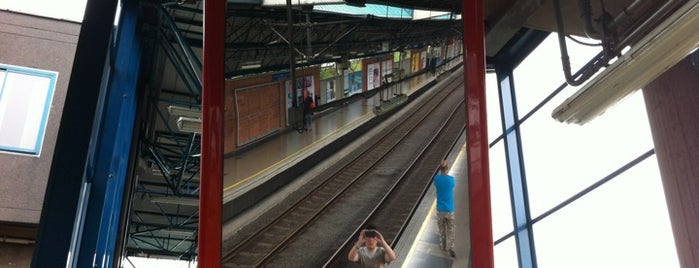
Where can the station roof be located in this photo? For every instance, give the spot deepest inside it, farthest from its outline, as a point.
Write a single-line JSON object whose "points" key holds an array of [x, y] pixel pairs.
{"points": [[322, 32]]}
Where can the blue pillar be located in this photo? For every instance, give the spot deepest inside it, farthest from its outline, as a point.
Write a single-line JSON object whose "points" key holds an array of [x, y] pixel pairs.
{"points": [[115, 139], [515, 169]]}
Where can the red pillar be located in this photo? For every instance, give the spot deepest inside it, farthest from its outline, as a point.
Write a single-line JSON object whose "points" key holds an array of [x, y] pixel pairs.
{"points": [[671, 102], [211, 195], [477, 135]]}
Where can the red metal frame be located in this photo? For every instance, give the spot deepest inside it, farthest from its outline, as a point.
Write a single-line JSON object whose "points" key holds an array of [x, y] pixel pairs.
{"points": [[477, 135], [211, 196]]}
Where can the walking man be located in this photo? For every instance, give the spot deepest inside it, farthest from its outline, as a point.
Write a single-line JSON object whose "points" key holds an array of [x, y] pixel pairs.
{"points": [[445, 207]]}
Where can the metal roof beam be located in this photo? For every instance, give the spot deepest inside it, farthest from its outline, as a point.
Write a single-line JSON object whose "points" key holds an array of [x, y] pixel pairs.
{"points": [[509, 24]]}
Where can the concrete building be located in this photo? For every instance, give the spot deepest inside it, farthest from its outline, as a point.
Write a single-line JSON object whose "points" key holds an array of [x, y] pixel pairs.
{"points": [[40, 50]]}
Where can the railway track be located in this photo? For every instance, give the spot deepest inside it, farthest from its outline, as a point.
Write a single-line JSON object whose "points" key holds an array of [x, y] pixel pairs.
{"points": [[398, 206], [318, 226]]}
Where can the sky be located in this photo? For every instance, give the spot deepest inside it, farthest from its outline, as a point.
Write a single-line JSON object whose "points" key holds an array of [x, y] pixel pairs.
{"points": [[68, 9], [632, 207]]}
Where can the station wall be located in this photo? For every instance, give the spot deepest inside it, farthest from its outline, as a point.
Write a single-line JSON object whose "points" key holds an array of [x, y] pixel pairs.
{"points": [[45, 45], [260, 106]]}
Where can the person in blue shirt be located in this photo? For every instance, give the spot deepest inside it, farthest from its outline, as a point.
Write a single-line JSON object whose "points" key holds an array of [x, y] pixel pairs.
{"points": [[445, 207]]}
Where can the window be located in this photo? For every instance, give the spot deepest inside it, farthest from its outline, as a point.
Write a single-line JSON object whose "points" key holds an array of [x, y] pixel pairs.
{"points": [[25, 102]]}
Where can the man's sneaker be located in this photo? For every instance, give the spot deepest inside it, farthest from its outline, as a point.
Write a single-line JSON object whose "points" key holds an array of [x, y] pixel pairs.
{"points": [[452, 253]]}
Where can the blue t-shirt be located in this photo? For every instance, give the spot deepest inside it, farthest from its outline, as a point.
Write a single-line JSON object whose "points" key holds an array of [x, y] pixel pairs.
{"points": [[445, 192]]}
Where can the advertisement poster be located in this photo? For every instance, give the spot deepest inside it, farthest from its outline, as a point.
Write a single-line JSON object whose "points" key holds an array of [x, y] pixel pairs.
{"points": [[304, 86], [387, 68], [330, 91], [415, 66], [354, 81], [373, 76], [346, 83]]}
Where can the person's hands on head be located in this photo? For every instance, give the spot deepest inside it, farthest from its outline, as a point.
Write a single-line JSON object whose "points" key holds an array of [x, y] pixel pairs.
{"points": [[362, 237], [374, 234], [379, 237]]}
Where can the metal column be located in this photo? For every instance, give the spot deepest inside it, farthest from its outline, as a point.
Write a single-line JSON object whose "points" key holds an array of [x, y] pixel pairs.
{"points": [[477, 135], [211, 197], [115, 141]]}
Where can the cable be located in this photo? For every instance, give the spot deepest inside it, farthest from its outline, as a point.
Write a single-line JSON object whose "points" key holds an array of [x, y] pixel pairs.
{"points": [[581, 42]]}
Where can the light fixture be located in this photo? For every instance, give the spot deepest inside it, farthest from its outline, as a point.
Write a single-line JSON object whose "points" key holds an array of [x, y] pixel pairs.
{"points": [[188, 124], [175, 110], [671, 41], [175, 200], [251, 65], [175, 232]]}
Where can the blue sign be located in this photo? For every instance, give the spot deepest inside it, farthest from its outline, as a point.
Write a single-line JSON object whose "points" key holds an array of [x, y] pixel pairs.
{"points": [[280, 76]]}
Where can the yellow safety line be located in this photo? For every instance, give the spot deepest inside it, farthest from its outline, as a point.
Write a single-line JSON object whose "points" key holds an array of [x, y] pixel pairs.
{"points": [[284, 159], [419, 235]]}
